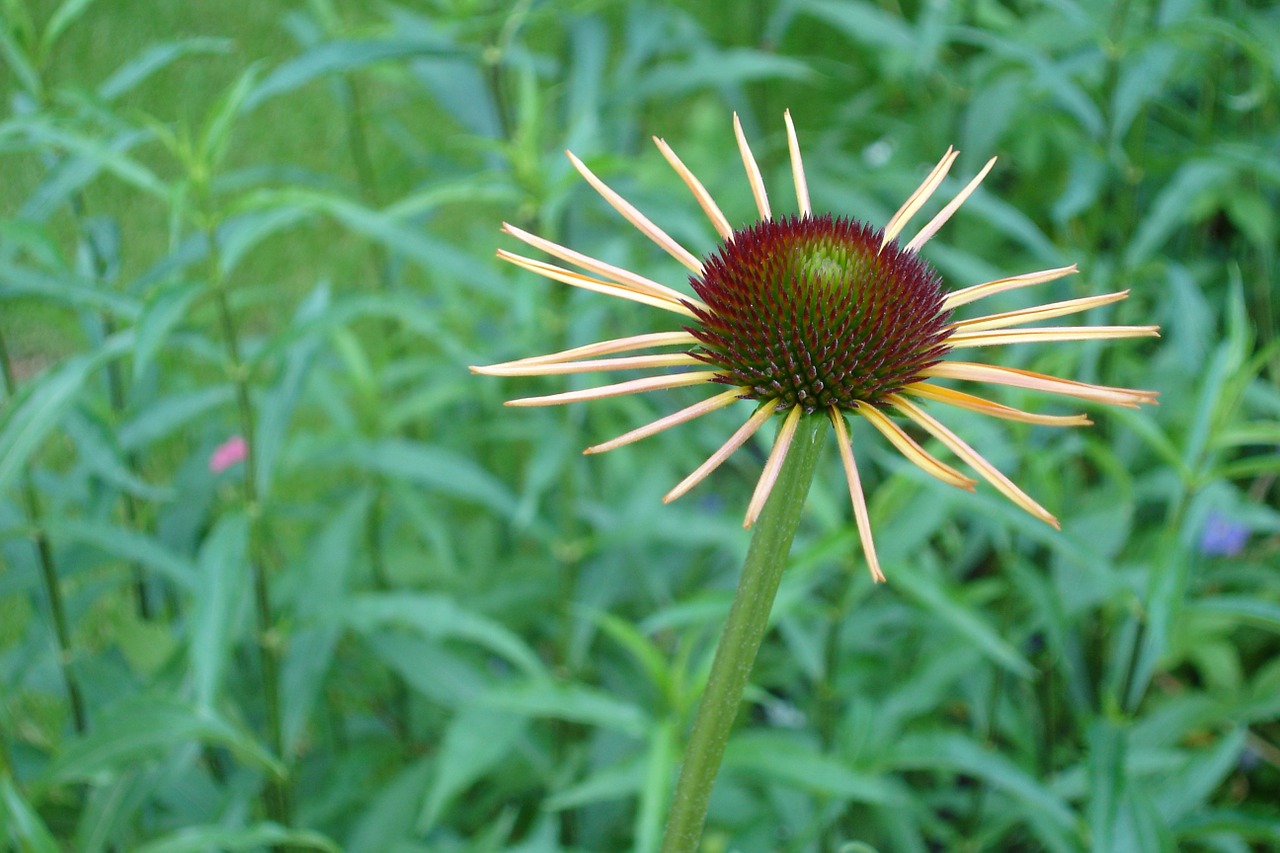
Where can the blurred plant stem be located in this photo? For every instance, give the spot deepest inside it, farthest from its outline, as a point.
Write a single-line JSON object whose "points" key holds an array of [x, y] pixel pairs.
{"points": [[48, 571], [116, 396], [277, 797], [740, 641]]}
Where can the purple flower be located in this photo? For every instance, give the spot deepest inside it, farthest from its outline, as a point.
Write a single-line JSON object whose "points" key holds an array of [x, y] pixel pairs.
{"points": [[1222, 537]]}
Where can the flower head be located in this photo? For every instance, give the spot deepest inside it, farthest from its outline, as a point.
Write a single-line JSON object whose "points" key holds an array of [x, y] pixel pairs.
{"points": [[228, 453], [817, 315], [1223, 536]]}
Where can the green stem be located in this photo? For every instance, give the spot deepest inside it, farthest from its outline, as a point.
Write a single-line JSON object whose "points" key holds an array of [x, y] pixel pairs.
{"points": [[278, 799], [48, 572], [743, 633]]}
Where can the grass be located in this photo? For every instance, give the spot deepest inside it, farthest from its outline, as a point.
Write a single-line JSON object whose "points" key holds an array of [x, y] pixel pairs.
{"points": [[478, 639]]}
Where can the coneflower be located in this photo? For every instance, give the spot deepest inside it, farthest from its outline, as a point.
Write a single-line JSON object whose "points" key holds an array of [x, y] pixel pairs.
{"points": [[821, 316]]}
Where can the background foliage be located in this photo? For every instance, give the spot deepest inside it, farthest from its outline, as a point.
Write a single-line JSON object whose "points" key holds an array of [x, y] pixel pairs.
{"points": [[412, 620]]}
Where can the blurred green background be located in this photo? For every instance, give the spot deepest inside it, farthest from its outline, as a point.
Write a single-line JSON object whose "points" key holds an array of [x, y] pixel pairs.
{"points": [[412, 620]]}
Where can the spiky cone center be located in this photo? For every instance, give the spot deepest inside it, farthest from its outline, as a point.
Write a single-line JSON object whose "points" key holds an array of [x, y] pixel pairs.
{"points": [[814, 312]]}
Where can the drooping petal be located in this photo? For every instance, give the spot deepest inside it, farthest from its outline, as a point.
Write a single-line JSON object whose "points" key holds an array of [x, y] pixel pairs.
{"points": [[705, 201], [633, 362], [917, 199], [631, 386], [947, 212], [1040, 312], [1130, 398], [860, 514], [797, 167], [1000, 285], [909, 448], [975, 460], [697, 410], [611, 347], [642, 223], [753, 171], [961, 400], [772, 466], [1047, 334], [726, 450]]}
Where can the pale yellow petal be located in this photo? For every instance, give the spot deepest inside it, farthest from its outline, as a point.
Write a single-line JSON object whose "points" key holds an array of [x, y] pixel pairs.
{"points": [[753, 172], [631, 386], [632, 362], [1017, 378], [860, 514], [610, 347], [772, 466], [948, 211], [1000, 285], [697, 410], [642, 223], [1040, 312], [957, 446], [577, 279], [1049, 334], [626, 278], [917, 199], [726, 450], [705, 201], [797, 167], [961, 400], [909, 448]]}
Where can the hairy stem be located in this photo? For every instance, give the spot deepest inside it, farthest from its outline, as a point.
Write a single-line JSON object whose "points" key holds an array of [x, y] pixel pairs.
{"points": [[743, 633]]}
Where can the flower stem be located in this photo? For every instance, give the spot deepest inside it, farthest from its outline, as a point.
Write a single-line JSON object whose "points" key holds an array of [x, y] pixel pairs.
{"points": [[743, 633]]}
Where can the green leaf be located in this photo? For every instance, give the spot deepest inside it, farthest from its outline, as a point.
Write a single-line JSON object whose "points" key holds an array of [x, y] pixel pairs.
{"points": [[572, 702], [655, 791], [146, 728], [217, 129], [102, 156], [19, 62], [218, 606], [20, 824], [789, 760], [1166, 593], [336, 57], [1244, 609], [1170, 209], [155, 58], [961, 617], [1107, 782], [162, 312], [92, 439], [309, 653], [474, 742], [276, 411], [437, 617], [433, 467], [127, 545], [720, 69], [29, 419], [199, 839], [941, 751], [64, 288], [62, 18], [387, 816], [1245, 824], [170, 413]]}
